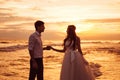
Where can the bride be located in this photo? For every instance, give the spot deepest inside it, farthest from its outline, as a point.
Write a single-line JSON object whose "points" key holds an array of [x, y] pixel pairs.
{"points": [[74, 66]]}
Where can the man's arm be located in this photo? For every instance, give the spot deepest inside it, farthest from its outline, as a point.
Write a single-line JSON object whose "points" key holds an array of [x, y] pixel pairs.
{"points": [[31, 53], [31, 46]]}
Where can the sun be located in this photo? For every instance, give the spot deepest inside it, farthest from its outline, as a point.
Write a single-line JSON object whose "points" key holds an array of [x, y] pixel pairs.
{"points": [[80, 27], [83, 27]]}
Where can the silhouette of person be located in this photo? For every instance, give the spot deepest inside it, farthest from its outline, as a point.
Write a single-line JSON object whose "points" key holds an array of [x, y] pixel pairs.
{"points": [[36, 52], [74, 66]]}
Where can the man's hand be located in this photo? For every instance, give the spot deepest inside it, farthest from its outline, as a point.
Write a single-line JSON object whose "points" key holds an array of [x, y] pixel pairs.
{"points": [[48, 47], [34, 64]]}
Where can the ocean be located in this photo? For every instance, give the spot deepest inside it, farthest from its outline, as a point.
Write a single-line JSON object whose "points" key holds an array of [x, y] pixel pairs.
{"points": [[103, 56]]}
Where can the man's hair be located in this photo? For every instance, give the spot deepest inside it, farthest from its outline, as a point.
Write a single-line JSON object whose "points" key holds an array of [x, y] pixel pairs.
{"points": [[38, 23]]}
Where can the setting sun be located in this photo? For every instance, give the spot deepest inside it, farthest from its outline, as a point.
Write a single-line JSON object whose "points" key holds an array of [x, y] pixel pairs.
{"points": [[83, 27]]}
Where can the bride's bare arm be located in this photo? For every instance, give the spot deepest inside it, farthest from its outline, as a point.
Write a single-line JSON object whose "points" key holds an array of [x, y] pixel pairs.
{"points": [[80, 50], [58, 50], [79, 45]]}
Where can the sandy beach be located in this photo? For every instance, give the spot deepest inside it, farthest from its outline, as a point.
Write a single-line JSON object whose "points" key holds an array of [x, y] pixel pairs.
{"points": [[15, 64]]}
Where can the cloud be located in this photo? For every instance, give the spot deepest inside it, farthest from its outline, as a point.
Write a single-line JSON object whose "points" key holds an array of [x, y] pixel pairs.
{"points": [[18, 26], [11, 18], [99, 36], [108, 20], [16, 23], [14, 34], [53, 35], [10, 21], [24, 35], [8, 15], [18, 16]]}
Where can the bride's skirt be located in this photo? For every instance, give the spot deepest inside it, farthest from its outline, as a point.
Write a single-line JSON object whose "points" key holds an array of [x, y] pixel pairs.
{"points": [[74, 67]]}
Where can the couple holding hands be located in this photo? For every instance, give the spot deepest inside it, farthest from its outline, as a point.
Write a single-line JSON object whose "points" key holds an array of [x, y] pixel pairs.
{"points": [[74, 65]]}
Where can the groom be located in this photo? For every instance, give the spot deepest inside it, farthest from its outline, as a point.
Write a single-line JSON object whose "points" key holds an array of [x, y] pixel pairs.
{"points": [[36, 52]]}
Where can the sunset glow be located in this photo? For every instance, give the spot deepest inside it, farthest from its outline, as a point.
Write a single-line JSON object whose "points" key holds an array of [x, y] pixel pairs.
{"points": [[83, 27], [91, 17]]}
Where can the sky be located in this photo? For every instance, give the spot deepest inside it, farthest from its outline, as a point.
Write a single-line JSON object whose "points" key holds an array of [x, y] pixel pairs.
{"points": [[94, 19]]}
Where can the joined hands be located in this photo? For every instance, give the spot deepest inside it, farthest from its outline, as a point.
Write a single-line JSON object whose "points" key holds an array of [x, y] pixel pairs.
{"points": [[48, 47]]}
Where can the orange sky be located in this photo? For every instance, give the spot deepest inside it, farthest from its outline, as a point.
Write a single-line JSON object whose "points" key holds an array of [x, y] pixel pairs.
{"points": [[94, 19]]}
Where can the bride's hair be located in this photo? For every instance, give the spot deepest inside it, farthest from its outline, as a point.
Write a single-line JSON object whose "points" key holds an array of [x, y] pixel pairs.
{"points": [[71, 34]]}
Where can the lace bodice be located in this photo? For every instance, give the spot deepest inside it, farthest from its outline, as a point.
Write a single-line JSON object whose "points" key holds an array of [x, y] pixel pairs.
{"points": [[69, 45], [70, 50]]}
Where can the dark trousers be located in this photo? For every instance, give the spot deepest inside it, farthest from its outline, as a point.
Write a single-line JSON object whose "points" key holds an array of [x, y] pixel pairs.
{"points": [[36, 72]]}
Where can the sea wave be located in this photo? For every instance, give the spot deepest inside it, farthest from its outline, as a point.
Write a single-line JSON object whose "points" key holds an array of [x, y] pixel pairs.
{"points": [[87, 46], [13, 48]]}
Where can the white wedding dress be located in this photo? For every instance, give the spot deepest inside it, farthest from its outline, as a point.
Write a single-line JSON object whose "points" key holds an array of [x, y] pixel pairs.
{"points": [[73, 66]]}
